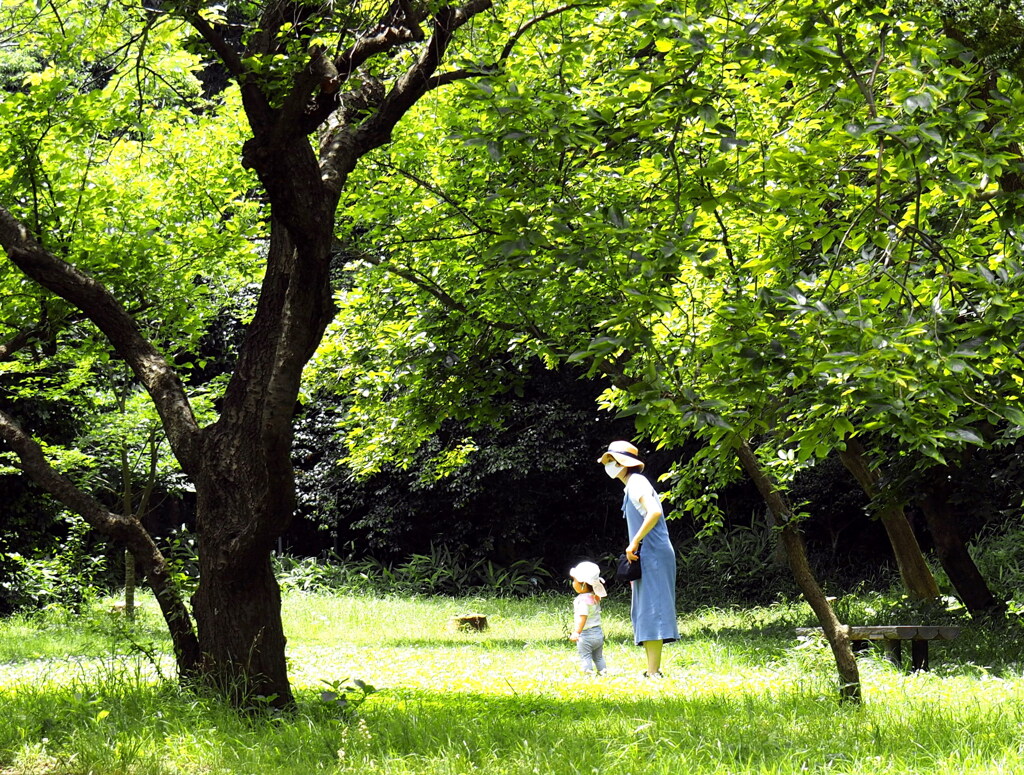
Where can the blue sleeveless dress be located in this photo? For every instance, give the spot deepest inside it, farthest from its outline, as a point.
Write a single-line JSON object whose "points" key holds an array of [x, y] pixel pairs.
{"points": [[653, 610]]}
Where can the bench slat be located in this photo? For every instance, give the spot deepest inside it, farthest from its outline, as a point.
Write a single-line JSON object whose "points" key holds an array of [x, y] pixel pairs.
{"points": [[893, 632]]}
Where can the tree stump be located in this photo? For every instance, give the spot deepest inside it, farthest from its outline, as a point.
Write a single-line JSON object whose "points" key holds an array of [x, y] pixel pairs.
{"points": [[467, 622]]}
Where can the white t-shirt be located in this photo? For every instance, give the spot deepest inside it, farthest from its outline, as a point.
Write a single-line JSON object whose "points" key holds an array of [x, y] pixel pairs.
{"points": [[588, 604], [638, 486]]}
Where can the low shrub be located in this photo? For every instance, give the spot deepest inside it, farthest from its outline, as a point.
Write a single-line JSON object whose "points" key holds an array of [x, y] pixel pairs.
{"points": [[739, 564], [71, 575], [999, 555], [440, 572]]}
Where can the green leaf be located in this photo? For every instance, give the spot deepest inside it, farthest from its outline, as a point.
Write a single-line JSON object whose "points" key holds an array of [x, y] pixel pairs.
{"points": [[965, 434], [915, 102]]}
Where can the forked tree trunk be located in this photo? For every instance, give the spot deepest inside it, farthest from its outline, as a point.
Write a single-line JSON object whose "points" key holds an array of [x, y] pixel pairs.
{"points": [[914, 571], [796, 553], [240, 465], [956, 560]]}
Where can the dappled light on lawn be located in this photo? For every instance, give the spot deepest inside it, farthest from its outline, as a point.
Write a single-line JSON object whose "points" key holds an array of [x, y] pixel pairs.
{"points": [[741, 694]]}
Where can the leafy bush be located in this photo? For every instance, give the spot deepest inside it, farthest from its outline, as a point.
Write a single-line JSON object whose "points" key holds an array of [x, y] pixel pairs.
{"points": [[181, 551], [70, 576], [999, 555], [308, 574], [865, 606], [30, 583], [441, 572], [738, 564]]}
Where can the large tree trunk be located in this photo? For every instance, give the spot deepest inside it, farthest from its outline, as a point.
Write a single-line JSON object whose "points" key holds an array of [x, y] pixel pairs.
{"points": [[241, 509], [838, 634], [956, 560], [914, 571], [238, 615]]}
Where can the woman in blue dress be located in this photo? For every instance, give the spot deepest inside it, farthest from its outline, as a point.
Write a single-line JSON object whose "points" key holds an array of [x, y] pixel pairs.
{"points": [[653, 608]]}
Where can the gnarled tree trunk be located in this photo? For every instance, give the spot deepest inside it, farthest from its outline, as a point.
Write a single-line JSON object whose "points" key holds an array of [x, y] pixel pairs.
{"points": [[837, 633], [310, 127], [238, 612], [245, 499]]}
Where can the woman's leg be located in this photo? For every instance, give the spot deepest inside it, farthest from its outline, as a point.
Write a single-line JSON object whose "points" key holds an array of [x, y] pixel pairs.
{"points": [[653, 649]]}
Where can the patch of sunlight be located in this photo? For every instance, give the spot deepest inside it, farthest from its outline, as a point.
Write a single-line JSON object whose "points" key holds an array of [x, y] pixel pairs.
{"points": [[61, 672], [544, 671]]}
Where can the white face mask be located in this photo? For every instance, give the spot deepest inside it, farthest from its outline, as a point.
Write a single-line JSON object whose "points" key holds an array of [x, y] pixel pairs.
{"points": [[612, 469]]}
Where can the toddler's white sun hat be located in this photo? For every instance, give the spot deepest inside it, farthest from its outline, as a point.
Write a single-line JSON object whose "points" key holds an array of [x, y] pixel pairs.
{"points": [[589, 573]]}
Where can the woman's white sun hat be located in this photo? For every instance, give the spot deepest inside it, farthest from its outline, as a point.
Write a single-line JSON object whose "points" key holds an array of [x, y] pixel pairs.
{"points": [[589, 573], [624, 453]]}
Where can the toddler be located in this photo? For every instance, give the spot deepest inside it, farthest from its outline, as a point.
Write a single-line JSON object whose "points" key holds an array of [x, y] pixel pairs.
{"points": [[586, 608]]}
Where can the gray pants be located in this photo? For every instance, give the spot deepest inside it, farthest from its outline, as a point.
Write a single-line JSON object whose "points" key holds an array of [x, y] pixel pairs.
{"points": [[590, 648]]}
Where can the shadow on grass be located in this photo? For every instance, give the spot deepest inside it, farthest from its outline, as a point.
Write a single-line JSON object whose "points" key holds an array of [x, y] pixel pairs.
{"points": [[588, 726], [759, 649], [791, 732], [481, 642], [24, 640]]}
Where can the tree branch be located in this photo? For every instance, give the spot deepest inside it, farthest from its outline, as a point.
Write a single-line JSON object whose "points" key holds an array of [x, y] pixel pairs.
{"points": [[440, 194], [495, 67], [125, 529], [216, 41], [347, 144], [415, 82], [15, 343], [90, 296], [439, 293]]}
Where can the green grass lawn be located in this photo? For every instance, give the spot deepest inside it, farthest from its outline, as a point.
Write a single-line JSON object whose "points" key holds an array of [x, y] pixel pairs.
{"points": [[741, 695]]}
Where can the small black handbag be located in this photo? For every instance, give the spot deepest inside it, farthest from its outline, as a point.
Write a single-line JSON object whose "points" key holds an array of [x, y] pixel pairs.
{"points": [[628, 571]]}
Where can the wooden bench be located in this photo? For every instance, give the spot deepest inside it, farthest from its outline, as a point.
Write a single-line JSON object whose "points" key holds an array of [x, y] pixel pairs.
{"points": [[891, 638]]}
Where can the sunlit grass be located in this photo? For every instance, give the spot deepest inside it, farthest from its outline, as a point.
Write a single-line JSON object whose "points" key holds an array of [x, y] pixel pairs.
{"points": [[742, 694]]}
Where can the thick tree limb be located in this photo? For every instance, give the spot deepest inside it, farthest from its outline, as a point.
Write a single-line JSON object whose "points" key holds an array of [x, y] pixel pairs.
{"points": [[384, 38], [125, 529], [348, 144], [90, 296], [216, 41], [414, 83], [15, 343]]}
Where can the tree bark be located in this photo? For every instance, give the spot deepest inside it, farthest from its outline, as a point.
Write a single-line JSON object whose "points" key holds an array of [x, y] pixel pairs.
{"points": [[129, 585], [244, 480], [956, 560], [837, 633], [245, 499], [238, 613], [914, 571]]}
